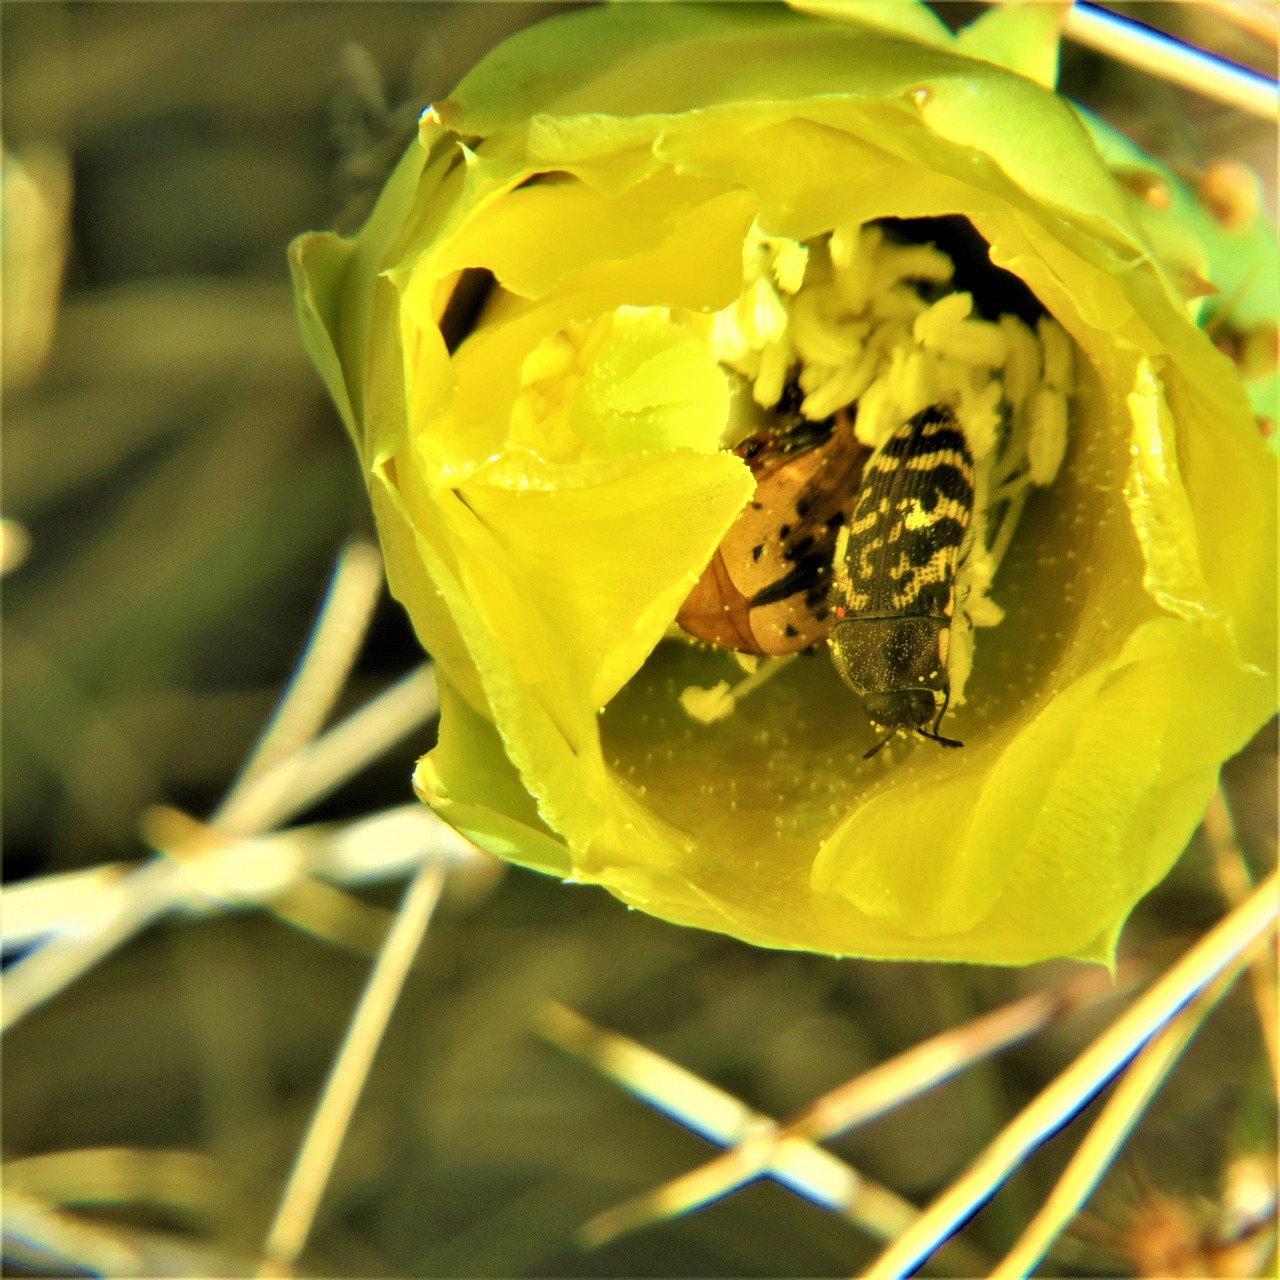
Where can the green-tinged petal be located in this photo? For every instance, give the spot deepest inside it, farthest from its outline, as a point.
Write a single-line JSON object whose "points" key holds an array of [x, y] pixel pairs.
{"points": [[1049, 156], [845, 71], [909, 18], [535, 70], [1022, 37], [334, 282], [374, 250], [423, 576], [319, 262], [471, 783]]}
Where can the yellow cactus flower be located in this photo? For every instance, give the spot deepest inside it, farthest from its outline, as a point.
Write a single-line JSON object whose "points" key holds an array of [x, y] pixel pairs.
{"points": [[643, 317]]}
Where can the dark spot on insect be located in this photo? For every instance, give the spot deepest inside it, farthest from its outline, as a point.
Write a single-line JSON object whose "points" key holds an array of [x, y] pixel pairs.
{"points": [[800, 549], [757, 551], [784, 531], [789, 630], [802, 507], [757, 506], [836, 520]]}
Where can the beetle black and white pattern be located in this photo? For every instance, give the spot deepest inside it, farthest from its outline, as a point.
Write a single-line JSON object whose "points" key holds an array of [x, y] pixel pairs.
{"points": [[894, 577]]}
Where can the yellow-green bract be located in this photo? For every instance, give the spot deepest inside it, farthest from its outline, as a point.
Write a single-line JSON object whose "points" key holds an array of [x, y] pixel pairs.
{"points": [[548, 493]]}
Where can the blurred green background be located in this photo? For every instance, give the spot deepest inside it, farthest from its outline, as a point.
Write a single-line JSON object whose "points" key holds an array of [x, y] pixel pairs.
{"points": [[184, 486]]}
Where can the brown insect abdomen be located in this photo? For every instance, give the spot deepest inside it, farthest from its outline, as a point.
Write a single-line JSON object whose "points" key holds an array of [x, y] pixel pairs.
{"points": [[717, 612], [779, 547]]}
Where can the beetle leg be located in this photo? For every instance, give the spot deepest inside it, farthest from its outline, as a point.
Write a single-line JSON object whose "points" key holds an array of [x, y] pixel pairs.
{"points": [[933, 735]]}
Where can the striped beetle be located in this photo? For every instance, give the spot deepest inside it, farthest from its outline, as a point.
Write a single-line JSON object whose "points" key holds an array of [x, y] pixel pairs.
{"points": [[893, 582]]}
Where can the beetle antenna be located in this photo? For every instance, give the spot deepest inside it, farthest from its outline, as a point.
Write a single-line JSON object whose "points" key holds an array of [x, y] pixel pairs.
{"points": [[866, 755]]}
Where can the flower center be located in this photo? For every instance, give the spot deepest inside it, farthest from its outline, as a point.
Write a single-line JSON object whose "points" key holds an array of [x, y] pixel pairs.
{"points": [[864, 329]]}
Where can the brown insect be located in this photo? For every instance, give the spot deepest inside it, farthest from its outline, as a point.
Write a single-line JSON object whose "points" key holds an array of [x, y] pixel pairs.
{"points": [[765, 590]]}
